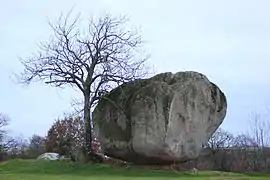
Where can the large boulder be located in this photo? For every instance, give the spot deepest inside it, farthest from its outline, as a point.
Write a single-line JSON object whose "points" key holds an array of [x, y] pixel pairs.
{"points": [[163, 119]]}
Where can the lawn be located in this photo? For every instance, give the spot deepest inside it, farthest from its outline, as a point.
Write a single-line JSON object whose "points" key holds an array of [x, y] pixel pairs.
{"points": [[41, 170]]}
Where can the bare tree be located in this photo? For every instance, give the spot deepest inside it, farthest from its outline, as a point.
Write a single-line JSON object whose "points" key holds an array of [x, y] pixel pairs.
{"points": [[220, 139], [259, 128], [18, 147], [36, 146], [4, 121], [244, 141], [220, 144], [94, 63]]}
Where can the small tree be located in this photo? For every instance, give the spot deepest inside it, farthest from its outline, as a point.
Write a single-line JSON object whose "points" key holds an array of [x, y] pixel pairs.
{"points": [[36, 146], [220, 144], [3, 143], [65, 136], [221, 139], [243, 152], [243, 141], [4, 121], [18, 147], [94, 63], [259, 127]]}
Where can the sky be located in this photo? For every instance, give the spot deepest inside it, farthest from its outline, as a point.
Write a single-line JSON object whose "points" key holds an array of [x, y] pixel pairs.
{"points": [[228, 41]]}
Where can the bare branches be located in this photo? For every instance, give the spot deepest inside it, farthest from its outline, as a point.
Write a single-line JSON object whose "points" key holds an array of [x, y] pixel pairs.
{"points": [[244, 141], [106, 52], [58, 61], [220, 140], [259, 129], [4, 121], [94, 63]]}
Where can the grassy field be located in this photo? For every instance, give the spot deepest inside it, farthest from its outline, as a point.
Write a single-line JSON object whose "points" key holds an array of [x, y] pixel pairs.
{"points": [[40, 170]]}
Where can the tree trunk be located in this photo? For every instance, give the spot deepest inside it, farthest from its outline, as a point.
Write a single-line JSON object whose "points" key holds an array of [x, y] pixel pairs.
{"points": [[89, 154], [87, 129]]}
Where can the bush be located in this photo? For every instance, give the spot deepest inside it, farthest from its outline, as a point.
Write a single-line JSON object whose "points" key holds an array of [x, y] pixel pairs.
{"points": [[3, 156]]}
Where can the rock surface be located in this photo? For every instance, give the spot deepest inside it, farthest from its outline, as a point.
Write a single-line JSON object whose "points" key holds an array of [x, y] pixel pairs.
{"points": [[160, 120], [49, 156]]}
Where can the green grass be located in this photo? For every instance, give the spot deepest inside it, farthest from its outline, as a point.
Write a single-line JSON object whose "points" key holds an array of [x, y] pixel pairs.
{"points": [[45, 170]]}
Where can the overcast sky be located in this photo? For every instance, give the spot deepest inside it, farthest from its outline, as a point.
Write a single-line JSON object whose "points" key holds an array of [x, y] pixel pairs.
{"points": [[227, 40]]}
